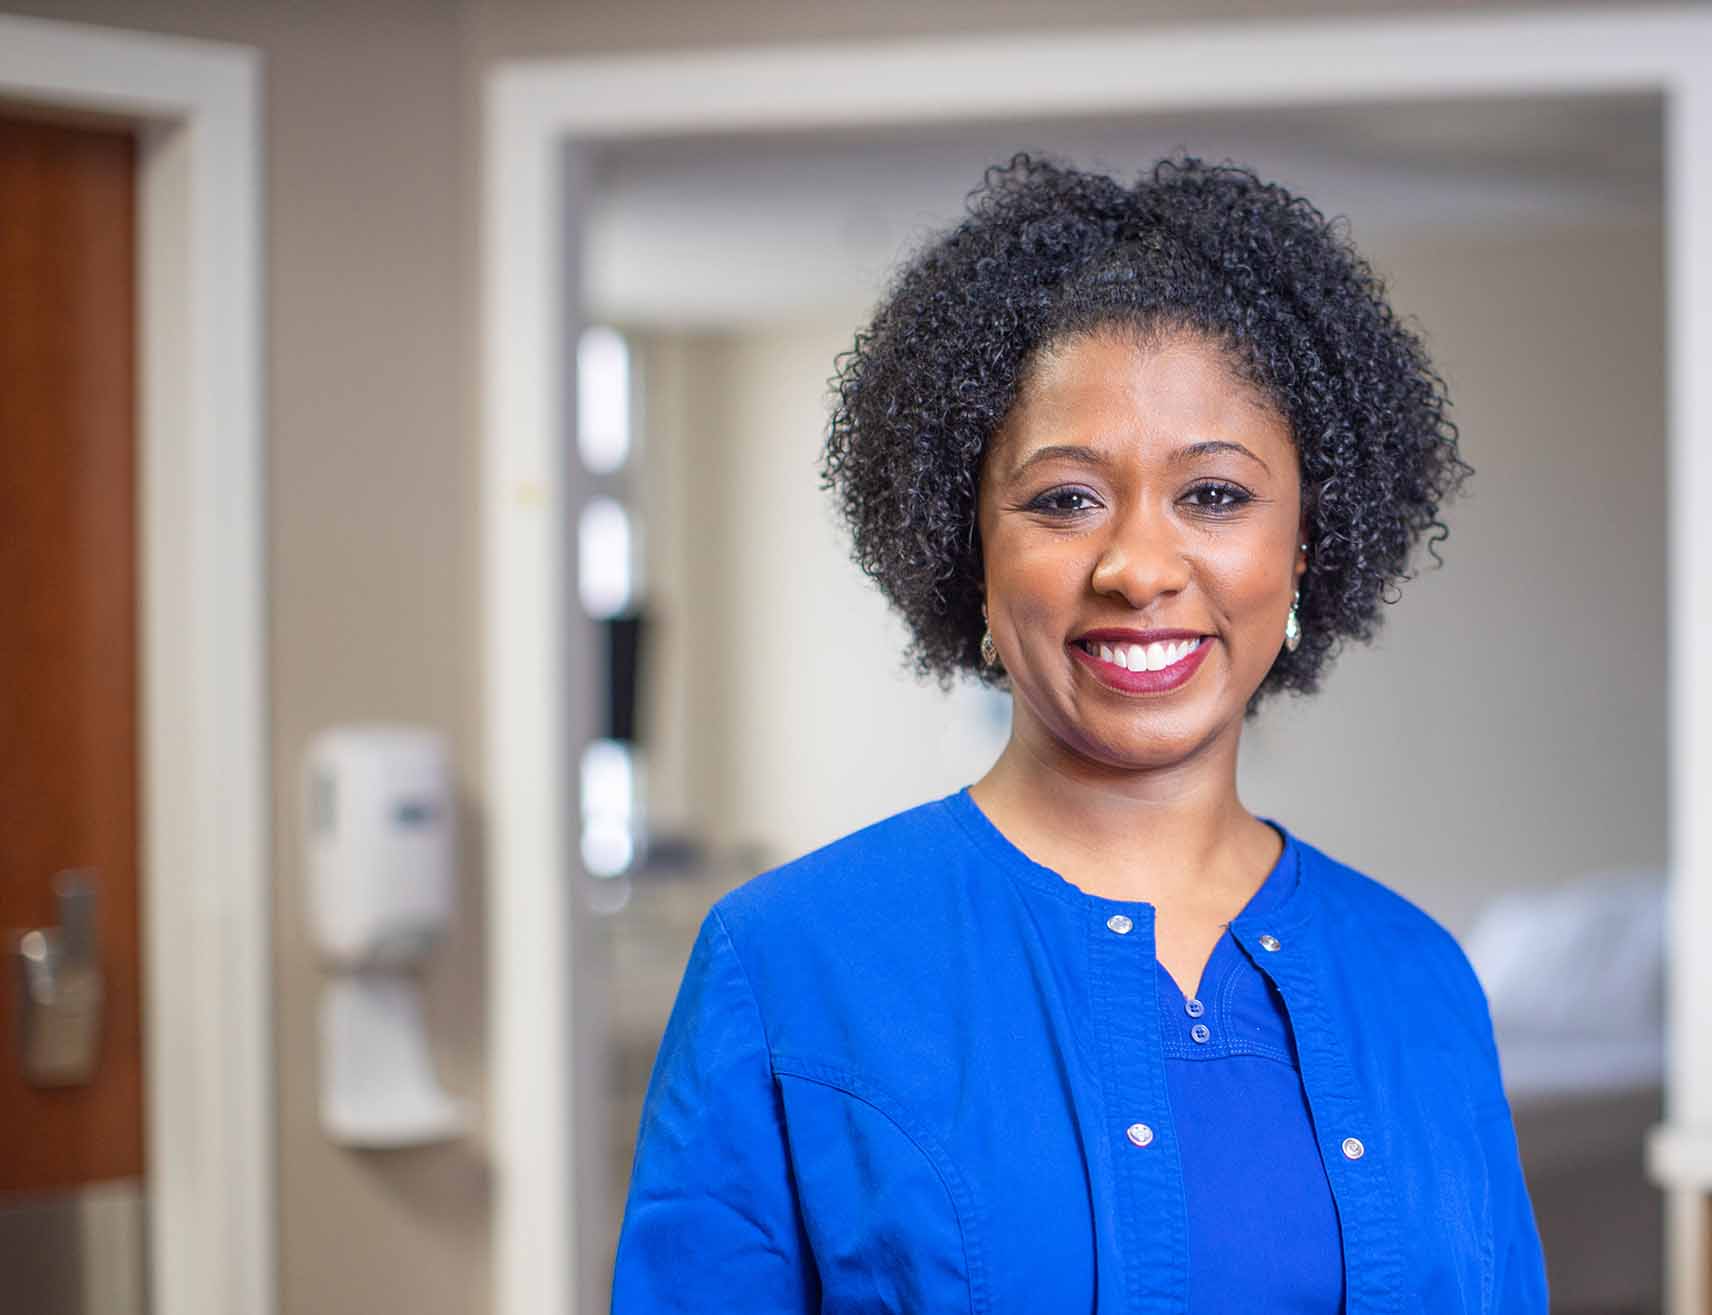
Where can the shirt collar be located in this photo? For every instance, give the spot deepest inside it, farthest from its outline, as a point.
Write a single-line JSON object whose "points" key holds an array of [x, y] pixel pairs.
{"points": [[1284, 899]]}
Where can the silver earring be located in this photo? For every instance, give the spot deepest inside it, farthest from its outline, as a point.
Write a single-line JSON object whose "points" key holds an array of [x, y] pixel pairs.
{"points": [[1293, 627], [989, 650]]}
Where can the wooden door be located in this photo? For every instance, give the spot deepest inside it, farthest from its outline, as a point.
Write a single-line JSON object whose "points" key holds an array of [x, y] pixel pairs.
{"points": [[68, 665]]}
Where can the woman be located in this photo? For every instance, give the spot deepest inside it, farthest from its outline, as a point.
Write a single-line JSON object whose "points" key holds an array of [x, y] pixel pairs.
{"points": [[1088, 1035]]}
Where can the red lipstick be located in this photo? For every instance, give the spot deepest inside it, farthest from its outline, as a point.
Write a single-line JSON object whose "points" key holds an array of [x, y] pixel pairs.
{"points": [[1086, 649]]}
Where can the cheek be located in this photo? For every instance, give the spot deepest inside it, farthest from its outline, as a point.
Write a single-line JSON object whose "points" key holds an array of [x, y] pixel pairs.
{"points": [[1250, 578], [1038, 577], [1244, 588], [1255, 588]]}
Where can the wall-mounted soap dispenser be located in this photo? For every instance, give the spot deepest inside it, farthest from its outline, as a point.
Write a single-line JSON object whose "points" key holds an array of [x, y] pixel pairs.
{"points": [[379, 845]]}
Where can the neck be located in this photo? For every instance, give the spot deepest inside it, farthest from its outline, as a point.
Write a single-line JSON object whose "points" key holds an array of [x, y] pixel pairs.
{"points": [[1174, 835]]}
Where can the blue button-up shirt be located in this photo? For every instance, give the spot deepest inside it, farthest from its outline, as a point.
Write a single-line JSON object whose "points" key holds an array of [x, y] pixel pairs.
{"points": [[917, 1072]]}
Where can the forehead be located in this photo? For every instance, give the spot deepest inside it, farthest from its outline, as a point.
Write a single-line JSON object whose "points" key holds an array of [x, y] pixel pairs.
{"points": [[1113, 388]]}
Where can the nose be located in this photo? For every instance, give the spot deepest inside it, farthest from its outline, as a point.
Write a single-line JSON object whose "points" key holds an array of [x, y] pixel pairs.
{"points": [[1142, 560]]}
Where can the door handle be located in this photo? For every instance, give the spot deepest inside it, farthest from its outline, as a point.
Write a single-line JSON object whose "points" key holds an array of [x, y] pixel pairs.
{"points": [[62, 988]]}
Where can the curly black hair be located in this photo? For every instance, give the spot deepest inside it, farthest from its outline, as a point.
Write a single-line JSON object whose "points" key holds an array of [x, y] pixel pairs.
{"points": [[1047, 252]]}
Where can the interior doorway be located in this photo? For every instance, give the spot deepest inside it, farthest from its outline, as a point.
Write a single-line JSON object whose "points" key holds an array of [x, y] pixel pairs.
{"points": [[186, 493], [1524, 237], [552, 130], [73, 1219]]}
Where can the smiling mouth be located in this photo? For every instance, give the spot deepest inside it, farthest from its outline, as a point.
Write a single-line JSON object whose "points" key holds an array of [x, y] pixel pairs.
{"points": [[1142, 657]]}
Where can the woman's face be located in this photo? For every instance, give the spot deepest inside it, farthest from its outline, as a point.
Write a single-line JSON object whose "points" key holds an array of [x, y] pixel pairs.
{"points": [[1137, 489]]}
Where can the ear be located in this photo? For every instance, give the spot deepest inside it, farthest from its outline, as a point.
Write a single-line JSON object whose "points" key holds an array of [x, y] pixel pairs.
{"points": [[1302, 546]]}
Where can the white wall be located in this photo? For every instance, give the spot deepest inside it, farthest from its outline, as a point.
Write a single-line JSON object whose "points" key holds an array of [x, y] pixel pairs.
{"points": [[1508, 728], [782, 692]]}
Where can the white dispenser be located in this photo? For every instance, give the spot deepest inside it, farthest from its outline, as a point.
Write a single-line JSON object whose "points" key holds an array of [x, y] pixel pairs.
{"points": [[379, 848]]}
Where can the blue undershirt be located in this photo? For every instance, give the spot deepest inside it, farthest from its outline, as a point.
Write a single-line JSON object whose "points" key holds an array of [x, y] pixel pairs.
{"points": [[1263, 1228]]}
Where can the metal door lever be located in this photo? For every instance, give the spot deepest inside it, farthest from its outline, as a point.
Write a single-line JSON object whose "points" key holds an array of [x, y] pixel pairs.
{"points": [[61, 988]]}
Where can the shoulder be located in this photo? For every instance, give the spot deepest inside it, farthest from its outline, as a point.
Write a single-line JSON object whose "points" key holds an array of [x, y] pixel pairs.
{"points": [[856, 883], [855, 932], [1348, 892], [1370, 921]]}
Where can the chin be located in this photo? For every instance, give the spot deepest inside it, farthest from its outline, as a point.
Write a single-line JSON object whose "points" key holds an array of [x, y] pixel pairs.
{"points": [[1145, 743]]}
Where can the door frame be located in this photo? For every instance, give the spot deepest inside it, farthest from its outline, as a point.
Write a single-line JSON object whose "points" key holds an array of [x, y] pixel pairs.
{"points": [[540, 692], [204, 778]]}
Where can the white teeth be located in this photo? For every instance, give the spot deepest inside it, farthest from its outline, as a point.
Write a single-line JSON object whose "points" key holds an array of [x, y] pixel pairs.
{"points": [[1148, 657]]}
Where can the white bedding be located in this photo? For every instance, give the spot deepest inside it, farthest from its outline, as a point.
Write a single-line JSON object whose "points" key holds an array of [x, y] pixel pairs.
{"points": [[1539, 1068], [1575, 977]]}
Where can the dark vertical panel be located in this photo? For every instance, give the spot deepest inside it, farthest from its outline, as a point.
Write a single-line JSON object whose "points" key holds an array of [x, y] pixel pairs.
{"points": [[68, 617]]}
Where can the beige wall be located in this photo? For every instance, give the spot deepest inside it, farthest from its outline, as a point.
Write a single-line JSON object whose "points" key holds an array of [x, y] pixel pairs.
{"points": [[372, 463], [520, 28], [372, 555]]}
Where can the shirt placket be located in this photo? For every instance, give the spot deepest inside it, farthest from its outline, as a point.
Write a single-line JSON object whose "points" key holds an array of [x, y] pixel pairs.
{"points": [[1151, 1247], [1355, 1152]]}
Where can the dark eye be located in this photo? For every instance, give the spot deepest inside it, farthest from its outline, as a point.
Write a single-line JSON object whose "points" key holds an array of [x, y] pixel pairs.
{"points": [[1063, 502], [1217, 497]]}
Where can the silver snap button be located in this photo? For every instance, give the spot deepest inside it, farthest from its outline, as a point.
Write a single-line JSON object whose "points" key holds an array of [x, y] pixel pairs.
{"points": [[1200, 1033], [1353, 1148], [1120, 924], [1139, 1133], [1193, 1007], [1269, 942]]}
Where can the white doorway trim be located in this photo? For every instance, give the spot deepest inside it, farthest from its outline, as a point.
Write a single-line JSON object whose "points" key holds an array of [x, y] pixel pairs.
{"points": [[538, 112], [207, 970]]}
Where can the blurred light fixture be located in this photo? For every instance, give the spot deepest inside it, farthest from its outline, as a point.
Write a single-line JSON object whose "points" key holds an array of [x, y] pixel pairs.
{"points": [[604, 558], [609, 808], [603, 399], [606, 581]]}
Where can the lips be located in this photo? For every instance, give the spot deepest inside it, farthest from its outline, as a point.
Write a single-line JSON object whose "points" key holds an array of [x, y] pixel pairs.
{"points": [[1141, 662]]}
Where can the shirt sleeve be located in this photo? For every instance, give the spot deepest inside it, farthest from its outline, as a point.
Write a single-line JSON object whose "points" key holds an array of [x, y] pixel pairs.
{"points": [[1519, 1267], [1519, 1278], [711, 1221]]}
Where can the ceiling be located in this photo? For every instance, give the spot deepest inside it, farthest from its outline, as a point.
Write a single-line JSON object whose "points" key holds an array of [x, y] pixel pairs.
{"points": [[726, 230]]}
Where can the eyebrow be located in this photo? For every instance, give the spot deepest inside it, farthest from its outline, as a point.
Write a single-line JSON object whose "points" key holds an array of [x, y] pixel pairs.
{"points": [[1214, 445], [1088, 456], [1085, 456]]}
